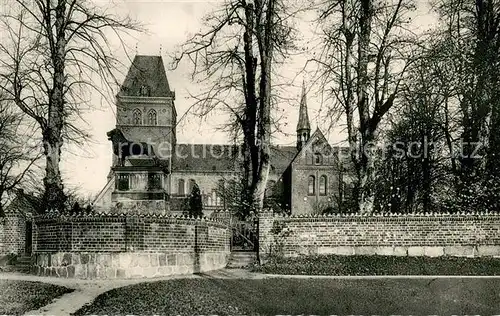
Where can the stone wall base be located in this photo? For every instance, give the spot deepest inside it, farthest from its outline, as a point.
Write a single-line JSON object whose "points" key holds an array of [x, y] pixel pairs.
{"points": [[412, 251], [125, 265]]}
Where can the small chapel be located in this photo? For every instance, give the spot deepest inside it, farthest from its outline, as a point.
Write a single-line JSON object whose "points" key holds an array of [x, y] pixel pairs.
{"points": [[159, 174]]}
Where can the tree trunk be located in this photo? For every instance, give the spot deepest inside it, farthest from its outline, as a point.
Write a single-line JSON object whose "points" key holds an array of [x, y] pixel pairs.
{"points": [[367, 197], [54, 197], [366, 168], [349, 109], [427, 179], [264, 35]]}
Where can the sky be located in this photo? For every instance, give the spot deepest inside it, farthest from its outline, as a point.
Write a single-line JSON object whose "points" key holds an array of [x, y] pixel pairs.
{"points": [[169, 24]]}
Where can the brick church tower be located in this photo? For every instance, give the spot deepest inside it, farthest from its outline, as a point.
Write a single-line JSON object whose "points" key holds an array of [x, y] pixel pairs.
{"points": [[145, 105], [145, 114]]}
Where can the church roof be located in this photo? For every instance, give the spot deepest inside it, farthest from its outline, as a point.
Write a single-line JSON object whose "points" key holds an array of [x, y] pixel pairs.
{"points": [[303, 122], [146, 71], [342, 152], [224, 158], [205, 158], [281, 157], [141, 162]]}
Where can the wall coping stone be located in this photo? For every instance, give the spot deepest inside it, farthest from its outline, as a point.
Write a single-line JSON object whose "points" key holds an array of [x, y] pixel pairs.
{"points": [[54, 216], [421, 215], [119, 217]]}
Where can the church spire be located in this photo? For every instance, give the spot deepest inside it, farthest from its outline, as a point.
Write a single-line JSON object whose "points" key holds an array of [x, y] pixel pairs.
{"points": [[303, 125]]}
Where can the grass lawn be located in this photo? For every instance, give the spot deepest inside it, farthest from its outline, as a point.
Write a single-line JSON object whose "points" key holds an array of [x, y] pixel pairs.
{"points": [[381, 265], [273, 296], [19, 297]]}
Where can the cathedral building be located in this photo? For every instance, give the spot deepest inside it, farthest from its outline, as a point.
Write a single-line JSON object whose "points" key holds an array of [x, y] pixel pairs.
{"points": [[307, 178]]}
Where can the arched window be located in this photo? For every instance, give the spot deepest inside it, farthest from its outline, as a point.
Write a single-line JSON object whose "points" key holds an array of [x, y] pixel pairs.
{"points": [[318, 159], [304, 137], [180, 190], [311, 185], [154, 181], [214, 197], [322, 185], [137, 117], [123, 183], [152, 117], [221, 191]]}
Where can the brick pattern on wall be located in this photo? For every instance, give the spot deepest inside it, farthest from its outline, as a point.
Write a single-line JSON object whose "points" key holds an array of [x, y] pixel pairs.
{"points": [[12, 234], [2, 236], [128, 233], [108, 246], [97, 236], [54, 236], [405, 235]]}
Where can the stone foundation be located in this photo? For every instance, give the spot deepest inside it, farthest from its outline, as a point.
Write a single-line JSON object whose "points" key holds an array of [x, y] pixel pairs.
{"points": [[412, 251], [104, 246], [125, 265]]}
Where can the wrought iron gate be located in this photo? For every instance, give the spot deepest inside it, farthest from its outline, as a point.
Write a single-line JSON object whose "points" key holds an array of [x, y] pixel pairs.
{"points": [[244, 235]]}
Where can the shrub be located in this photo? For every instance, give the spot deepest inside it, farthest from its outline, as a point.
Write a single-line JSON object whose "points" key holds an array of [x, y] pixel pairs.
{"points": [[195, 202]]}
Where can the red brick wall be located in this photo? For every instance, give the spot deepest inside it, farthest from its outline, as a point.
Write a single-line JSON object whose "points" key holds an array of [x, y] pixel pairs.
{"points": [[97, 235], [12, 234], [154, 135], [302, 202], [128, 233], [433, 235], [104, 246], [303, 167], [2, 236]]}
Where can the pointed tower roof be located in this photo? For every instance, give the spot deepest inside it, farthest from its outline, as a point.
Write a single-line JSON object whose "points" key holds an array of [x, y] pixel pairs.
{"points": [[147, 71], [303, 123]]}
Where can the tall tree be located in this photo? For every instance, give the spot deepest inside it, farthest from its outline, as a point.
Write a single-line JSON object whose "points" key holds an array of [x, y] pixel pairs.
{"points": [[364, 56], [53, 58], [17, 156], [471, 31], [415, 165], [235, 58]]}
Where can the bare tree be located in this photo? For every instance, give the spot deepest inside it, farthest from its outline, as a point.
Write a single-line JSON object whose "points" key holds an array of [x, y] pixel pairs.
{"points": [[470, 35], [78, 201], [57, 53], [416, 166], [365, 51], [235, 57], [17, 155]]}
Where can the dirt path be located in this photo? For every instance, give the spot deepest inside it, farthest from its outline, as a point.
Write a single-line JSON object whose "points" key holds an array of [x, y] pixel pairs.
{"points": [[85, 291]]}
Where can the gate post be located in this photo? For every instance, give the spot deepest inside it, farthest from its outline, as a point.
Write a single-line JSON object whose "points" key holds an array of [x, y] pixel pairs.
{"points": [[256, 234], [231, 232]]}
